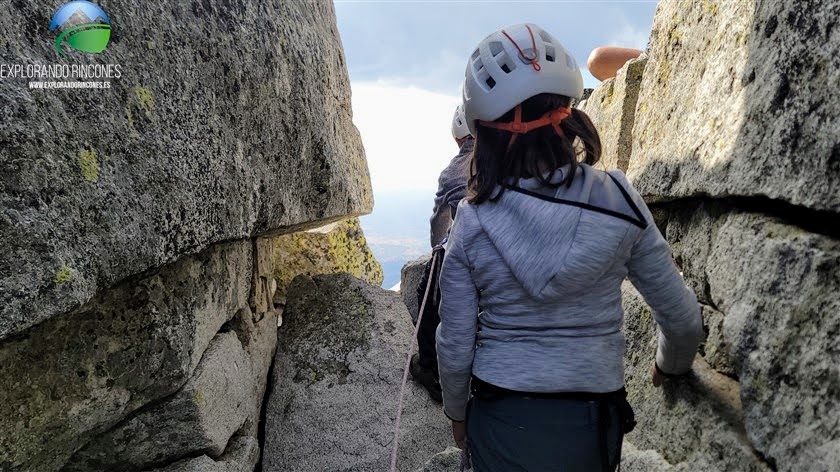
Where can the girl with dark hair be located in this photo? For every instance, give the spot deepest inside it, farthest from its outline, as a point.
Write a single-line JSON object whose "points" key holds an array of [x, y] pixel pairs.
{"points": [[530, 348]]}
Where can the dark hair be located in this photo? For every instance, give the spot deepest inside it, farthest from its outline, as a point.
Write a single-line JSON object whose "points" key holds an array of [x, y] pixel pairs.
{"points": [[492, 163]]}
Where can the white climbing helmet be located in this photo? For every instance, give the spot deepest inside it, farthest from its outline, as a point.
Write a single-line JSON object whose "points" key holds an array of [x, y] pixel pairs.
{"points": [[513, 65], [459, 123]]}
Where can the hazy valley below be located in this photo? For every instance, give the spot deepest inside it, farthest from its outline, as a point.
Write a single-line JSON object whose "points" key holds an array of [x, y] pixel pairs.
{"points": [[398, 230]]}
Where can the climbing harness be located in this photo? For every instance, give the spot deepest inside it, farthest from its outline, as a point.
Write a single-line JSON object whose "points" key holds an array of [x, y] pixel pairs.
{"points": [[435, 253]]}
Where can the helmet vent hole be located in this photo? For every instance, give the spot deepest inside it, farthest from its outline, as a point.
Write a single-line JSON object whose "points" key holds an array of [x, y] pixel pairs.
{"points": [[545, 36], [503, 60], [496, 48], [549, 53], [475, 54], [478, 67], [490, 82], [570, 62]]}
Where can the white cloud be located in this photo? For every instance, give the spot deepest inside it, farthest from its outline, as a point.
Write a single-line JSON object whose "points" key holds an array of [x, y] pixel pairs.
{"points": [[630, 36], [406, 134]]}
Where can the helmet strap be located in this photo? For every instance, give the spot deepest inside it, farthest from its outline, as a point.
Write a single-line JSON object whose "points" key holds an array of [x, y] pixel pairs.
{"points": [[517, 126]]}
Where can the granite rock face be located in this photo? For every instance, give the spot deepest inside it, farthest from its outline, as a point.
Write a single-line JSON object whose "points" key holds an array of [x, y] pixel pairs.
{"points": [[696, 421], [241, 455], [137, 323], [447, 461], [738, 99], [410, 278], [78, 375], [338, 247], [634, 460], [221, 399], [777, 287], [229, 120], [770, 294], [612, 108], [336, 380], [734, 148]]}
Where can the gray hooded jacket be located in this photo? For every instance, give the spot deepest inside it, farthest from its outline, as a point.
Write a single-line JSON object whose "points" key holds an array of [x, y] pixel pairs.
{"points": [[531, 290], [452, 188]]}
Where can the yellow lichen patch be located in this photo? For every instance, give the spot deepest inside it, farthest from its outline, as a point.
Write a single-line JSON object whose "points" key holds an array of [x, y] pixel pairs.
{"points": [[63, 275], [675, 36], [337, 248], [664, 71], [712, 124], [145, 99], [710, 7], [199, 397], [89, 164], [609, 94]]}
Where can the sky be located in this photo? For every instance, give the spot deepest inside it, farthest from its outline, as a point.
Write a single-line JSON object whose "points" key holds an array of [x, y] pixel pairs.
{"points": [[406, 60]]}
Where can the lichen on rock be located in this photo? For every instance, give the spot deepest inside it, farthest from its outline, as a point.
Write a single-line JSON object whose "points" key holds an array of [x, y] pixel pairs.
{"points": [[338, 247], [89, 164], [63, 275]]}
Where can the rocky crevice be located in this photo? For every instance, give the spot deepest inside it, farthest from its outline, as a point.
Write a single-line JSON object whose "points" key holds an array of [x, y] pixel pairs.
{"points": [[808, 219]]}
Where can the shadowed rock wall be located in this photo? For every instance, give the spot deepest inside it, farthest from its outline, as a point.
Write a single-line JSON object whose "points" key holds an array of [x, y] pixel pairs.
{"points": [[137, 323]]}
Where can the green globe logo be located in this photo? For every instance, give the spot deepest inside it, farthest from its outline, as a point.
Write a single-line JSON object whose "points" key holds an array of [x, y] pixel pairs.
{"points": [[84, 25]]}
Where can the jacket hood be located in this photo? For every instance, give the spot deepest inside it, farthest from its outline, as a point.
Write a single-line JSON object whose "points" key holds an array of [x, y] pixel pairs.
{"points": [[555, 249]]}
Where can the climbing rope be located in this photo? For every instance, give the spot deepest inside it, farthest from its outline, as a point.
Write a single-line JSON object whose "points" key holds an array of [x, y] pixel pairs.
{"points": [[429, 284]]}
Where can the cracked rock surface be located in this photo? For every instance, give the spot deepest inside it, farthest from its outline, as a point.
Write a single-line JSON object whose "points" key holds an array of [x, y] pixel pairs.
{"points": [[337, 374]]}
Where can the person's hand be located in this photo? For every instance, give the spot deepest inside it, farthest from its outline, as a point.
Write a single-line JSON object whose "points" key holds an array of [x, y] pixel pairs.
{"points": [[655, 376], [459, 433]]}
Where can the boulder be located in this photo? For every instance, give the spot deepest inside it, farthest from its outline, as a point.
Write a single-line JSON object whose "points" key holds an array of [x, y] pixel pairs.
{"points": [[76, 376], [612, 108], [738, 99], [338, 247], [410, 277], [777, 289], [336, 380], [229, 120]]}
